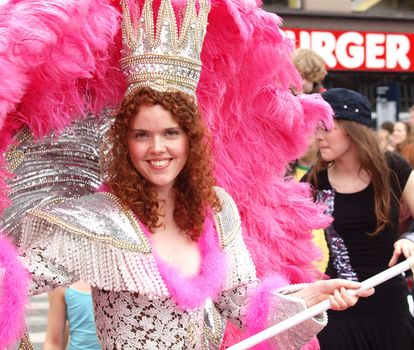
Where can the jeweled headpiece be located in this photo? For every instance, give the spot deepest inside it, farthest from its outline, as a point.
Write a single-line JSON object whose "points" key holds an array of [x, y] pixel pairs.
{"points": [[165, 60]]}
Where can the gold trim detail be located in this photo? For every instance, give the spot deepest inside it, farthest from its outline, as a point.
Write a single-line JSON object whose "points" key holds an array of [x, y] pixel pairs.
{"points": [[164, 59], [15, 157], [136, 224], [25, 343], [217, 336], [228, 236], [144, 246]]}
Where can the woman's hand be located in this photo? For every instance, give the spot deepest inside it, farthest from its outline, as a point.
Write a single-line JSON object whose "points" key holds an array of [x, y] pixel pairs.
{"points": [[403, 246], [335, 291]]}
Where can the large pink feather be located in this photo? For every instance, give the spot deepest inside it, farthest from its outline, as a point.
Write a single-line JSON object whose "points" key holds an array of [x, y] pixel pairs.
{"points": [[13, 297], [58, 61], [258, 128]]}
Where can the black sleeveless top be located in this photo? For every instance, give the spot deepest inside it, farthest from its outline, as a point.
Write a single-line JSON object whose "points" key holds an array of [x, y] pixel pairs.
{"points": [[356, 255]]}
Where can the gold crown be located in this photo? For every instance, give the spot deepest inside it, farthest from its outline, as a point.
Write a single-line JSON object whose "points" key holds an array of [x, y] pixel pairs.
{"points": [[165, 60]]}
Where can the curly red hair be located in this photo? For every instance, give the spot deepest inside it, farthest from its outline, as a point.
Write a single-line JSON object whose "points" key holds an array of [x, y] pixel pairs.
{"points": [[194, 192]]}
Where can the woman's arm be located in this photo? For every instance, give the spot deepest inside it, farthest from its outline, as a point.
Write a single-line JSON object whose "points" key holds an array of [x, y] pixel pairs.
{"points": [[56, 334], [405, 245], [408, 192]]}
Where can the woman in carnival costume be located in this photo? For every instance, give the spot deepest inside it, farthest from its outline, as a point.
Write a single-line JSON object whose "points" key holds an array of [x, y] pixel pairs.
{"points": [[122, 256]]}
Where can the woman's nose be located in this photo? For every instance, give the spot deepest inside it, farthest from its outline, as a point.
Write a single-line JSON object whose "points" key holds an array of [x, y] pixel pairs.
{"points": [[319, 134], [158, 145]]}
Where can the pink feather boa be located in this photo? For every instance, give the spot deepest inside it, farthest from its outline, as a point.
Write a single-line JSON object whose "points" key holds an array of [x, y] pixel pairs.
{"points": [[13, 297], [258, 311], [189, 293]]}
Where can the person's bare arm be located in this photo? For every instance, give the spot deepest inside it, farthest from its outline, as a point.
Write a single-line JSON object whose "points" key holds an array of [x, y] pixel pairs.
{"points": [[56, 333], [405, 245]]}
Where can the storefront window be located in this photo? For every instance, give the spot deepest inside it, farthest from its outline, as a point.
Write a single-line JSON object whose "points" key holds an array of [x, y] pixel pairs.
{"points": [[391, 5], [292, 4]]}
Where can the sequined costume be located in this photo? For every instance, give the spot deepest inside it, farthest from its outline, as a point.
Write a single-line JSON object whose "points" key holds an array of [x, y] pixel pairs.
{"points": [[98, 240], [61, 61]]}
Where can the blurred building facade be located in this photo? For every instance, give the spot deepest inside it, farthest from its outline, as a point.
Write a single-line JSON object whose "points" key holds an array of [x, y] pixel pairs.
{"points": [[368, 45]]}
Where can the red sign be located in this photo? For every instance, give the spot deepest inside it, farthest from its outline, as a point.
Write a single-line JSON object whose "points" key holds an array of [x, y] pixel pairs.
{"points": [[368, 51]]}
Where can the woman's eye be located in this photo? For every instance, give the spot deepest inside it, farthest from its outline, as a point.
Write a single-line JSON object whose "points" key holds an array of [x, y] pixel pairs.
{"points": [[173, 132], [140, 134], [322, 127]]}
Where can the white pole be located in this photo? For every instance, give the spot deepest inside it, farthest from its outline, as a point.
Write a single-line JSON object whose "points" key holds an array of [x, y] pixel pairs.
{"points": [[321, 307]]}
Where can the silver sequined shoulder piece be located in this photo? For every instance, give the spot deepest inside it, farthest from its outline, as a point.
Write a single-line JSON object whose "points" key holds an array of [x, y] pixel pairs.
{"points": [[99, 217], [64, 165], [97, 240], [228, 219], [240, 266]]}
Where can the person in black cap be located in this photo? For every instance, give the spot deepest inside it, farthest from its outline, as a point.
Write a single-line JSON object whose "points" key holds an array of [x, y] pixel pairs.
{"points": [[361, 187]]}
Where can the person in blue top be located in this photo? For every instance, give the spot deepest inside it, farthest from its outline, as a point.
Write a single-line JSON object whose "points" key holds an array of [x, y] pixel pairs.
{"points": [[71, 315]]}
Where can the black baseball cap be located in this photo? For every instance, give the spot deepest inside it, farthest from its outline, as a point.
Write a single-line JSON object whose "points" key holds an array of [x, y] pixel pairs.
{"points": [[349, 104]]}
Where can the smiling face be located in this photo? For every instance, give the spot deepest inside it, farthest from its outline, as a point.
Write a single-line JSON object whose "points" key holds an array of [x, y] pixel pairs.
{"points": [[158, 147], [333, 144], [399, 133]]}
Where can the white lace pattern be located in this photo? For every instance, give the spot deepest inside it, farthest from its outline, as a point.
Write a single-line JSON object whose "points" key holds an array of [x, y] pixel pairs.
{"points": [[127, 320]]}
